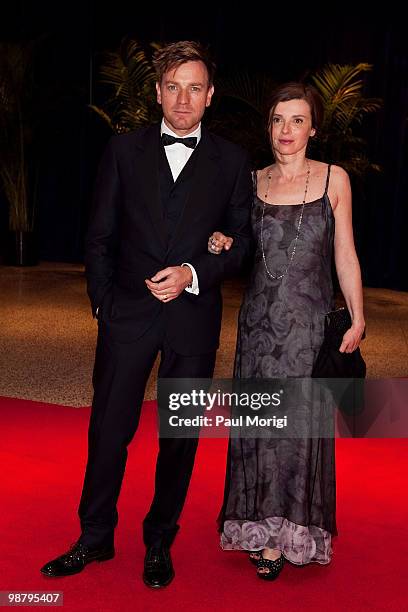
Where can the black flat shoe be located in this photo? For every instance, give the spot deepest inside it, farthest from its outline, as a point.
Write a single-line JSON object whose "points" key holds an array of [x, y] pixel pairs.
{"points": [[75, 560], [274, 568], [158, 568]]}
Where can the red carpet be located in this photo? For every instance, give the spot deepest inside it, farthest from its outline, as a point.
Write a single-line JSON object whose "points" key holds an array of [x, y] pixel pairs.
{"points": [[43, 451]]}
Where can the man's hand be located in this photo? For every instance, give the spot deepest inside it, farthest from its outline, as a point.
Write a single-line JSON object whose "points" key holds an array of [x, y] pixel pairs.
{"points": [[167, 284]]}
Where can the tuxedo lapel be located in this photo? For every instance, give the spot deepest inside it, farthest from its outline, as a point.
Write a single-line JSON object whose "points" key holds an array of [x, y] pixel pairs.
{"points": [[164, 165], [148, 170], [204, 168]]}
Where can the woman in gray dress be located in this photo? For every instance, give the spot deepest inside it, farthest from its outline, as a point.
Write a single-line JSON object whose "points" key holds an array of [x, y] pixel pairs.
{"points": [[279, 498]]}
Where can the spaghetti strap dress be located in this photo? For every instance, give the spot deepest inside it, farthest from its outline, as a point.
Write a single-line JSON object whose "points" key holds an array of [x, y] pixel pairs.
{"points": [[281, 492]]}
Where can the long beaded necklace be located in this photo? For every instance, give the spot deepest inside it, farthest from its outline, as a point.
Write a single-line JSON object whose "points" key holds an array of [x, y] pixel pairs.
{"points": [[280, 276]]}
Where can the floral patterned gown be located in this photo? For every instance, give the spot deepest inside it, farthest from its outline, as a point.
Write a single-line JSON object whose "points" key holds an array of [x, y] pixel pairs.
{"points": [[280, 492]]}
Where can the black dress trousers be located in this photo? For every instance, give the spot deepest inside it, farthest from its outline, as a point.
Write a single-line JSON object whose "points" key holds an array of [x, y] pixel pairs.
{"points": [[120, 375]]}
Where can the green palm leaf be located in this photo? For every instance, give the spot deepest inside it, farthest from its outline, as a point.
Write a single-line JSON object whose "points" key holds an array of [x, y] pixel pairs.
{"points": [[130, 77], [341, 88], [251, 90]]}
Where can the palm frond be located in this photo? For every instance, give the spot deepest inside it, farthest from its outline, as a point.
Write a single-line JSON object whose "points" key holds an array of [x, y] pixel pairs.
{"points": [[102, 114], [251, 90], [341, 88], [130, 77]]}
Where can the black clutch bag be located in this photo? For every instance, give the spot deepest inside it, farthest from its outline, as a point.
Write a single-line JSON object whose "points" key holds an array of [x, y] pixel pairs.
{"points": [[336, 323], [330, 363]]}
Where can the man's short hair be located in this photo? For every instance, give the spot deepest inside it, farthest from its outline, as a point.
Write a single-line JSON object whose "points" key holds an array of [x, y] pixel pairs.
{"points": [[177, 53]]}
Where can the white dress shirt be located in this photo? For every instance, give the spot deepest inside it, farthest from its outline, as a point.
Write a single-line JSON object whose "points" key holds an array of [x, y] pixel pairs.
{"points": [[178, 155]]}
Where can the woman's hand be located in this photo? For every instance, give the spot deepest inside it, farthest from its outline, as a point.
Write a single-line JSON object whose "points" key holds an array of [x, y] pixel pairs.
{"points": [[218, 241], [352, 338]]}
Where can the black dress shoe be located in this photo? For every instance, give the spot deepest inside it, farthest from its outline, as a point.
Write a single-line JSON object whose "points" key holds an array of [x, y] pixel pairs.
{"points": [[158, 568], [74, 561]]}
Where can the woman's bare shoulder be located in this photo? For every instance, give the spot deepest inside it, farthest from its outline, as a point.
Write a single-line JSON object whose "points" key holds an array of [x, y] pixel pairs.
{"points": [[339, 172], [322, 167], [339, 179], [338, 176]]}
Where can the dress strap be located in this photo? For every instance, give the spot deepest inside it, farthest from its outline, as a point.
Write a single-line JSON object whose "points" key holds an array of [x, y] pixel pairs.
{"points": [[254, 182], [327, 179]]}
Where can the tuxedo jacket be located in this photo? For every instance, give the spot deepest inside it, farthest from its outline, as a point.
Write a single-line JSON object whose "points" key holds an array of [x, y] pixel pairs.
{"points": [[130, 237]]}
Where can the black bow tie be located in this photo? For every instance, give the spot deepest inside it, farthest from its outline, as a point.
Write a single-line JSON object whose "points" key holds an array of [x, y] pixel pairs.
{"points": [[190, 141]]}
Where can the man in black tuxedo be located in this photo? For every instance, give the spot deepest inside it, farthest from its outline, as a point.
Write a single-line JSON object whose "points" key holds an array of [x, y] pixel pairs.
{"points": [[154, 288]]}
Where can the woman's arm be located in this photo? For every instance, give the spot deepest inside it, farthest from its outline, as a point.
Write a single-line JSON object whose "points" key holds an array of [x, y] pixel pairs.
{"points": [[347, 265]]}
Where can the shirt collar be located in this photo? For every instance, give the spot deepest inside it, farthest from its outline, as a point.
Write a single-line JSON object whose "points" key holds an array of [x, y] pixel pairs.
{"points": [[165, 129]]}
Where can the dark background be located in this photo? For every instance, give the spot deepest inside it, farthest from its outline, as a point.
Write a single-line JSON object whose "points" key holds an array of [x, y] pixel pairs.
{"points": [[285, 41]]}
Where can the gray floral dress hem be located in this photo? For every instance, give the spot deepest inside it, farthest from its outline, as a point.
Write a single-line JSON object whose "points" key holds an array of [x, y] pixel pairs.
{"points": [[299, 544]]}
